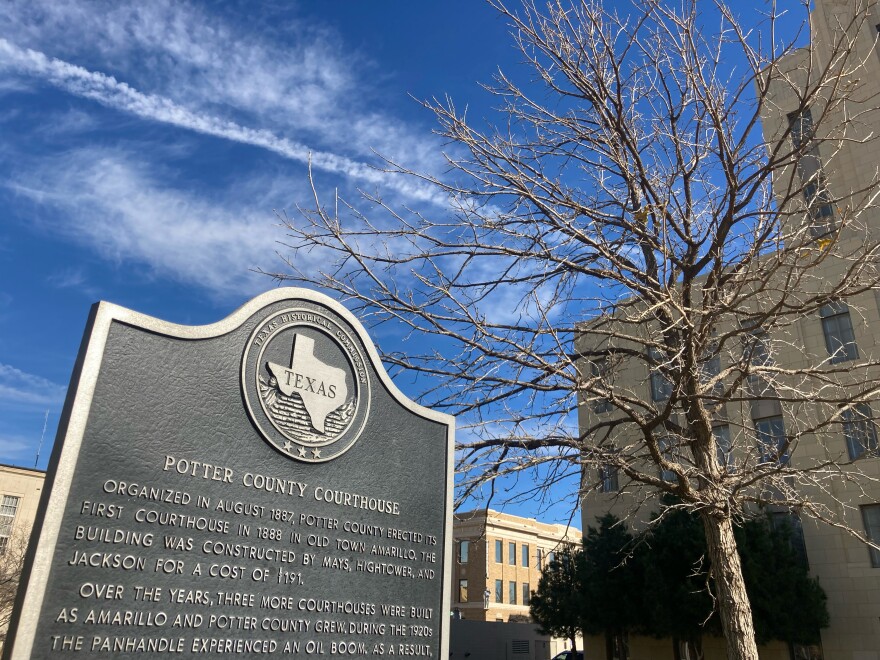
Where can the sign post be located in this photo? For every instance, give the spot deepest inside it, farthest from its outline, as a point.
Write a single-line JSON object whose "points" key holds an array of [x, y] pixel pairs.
{"points": [[254, 486]]}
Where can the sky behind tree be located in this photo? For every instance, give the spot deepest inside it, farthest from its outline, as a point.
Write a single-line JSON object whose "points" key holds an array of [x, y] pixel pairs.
{"points": [[145, 146]]}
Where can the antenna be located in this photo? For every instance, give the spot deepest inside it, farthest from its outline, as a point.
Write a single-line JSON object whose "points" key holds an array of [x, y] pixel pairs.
{"points": [[42, 435]]}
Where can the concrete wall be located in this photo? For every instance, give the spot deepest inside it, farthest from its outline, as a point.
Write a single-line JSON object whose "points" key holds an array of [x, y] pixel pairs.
{"points": [[490, 640]]}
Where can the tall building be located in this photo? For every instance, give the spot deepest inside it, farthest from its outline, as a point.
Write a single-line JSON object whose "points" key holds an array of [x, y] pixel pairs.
{"points": [[498, 562], [20, 490], [839, 333], [848, 571]]}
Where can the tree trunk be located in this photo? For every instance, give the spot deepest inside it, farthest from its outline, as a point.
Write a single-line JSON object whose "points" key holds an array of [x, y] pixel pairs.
{"points": [[574, 647], [734, 608], [693, 648], [615, 649], [676, 648]]}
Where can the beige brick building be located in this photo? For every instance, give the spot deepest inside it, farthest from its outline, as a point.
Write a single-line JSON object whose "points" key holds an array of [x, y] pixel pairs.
{"points": [[848, 570], [498, 562], [20, 490]]}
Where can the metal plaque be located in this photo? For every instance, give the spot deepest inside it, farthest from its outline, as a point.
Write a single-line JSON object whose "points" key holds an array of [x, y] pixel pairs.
{"points": [[254, 487]]}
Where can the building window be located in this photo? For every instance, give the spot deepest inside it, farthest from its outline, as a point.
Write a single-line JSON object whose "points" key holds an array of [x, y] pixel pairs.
{"points": [[499, 552], [666, 446], [809, 167], [462, 591], [871, 518], [756, 354], [859, 430], [540, 557], [511, 554], [608, 479], [772, 443], [499, 591], [801, 125], [806, 652], [661, 387], [819, 206], [464, 549], [526, 594], [839, 337], [599, 370], [723, 445], [710, 369], [551, 556], [758, 348], [8, 509], [525, 555], [511, 592]]}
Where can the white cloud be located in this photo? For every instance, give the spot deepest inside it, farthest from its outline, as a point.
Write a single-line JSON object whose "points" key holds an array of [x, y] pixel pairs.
{"points": [[75, 279], [68, 278], [174, 62], [13, 448], [202, 58], [118, 95], [111, 202], [66, 123], [27, 390]]}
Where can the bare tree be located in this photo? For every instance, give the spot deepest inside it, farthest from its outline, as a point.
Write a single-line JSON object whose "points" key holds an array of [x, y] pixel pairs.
{"points": [[626, 244], [11, 564]]}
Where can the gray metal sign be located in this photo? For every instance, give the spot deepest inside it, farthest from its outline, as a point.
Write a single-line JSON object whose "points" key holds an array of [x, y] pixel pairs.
{"points": [[256, 486]]}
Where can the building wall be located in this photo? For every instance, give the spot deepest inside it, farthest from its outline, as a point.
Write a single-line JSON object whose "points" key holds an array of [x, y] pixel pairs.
{"points": [[842, 563], [23, 487], [482, 529], [489, 640], [650, 648]]}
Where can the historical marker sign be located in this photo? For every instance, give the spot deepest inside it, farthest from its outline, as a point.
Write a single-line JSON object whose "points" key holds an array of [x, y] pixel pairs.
{"points": [[256, 486]]}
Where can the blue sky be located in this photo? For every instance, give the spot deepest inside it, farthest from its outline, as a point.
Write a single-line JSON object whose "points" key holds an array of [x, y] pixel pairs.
{"points": [[145, 145]]}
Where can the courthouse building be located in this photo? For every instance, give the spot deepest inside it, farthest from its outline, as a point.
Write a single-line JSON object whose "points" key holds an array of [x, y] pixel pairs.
{"points": [[498, 562], [848, 571], [20, 490]]}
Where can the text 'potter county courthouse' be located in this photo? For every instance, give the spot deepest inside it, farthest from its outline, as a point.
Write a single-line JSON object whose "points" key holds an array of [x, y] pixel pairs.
{"points": [[847, 570]]}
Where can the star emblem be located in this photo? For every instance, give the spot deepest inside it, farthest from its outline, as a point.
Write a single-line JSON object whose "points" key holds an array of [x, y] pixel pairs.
{"points": [[302, 452], [288, 446], [316, 453]]}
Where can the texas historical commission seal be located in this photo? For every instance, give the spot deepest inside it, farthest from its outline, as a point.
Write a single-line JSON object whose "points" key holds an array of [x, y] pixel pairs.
{"points": [[305, 384]]}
